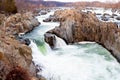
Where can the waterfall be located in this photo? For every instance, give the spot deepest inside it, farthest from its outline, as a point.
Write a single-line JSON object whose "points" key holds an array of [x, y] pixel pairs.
{"points": [[35, 49], [59, 42], [76, 63], [48, 48], [71, 62]]}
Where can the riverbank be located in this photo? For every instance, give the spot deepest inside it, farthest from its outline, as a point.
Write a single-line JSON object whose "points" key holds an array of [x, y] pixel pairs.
{"points": [[16, 57]]}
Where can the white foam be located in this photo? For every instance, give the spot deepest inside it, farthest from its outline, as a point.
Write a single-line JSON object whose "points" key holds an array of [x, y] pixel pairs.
{"points": [[71, 66], [85, 42], [74, 62], [60, 43]]}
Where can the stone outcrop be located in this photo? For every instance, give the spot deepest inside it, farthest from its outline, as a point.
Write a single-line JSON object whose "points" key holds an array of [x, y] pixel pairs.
{"points": [[52, 18], [2, 17], [79, 26], [16, 57], [56, 17], [118, 18], [20, 23], [50, 38]]}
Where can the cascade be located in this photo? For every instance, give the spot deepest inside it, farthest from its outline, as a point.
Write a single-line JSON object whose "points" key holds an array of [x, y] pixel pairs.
{"points": [[84, 61], [59, 42]]}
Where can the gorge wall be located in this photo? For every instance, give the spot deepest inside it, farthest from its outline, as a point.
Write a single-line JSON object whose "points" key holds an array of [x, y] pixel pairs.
{"points": [[76, 26], [16, 57]]}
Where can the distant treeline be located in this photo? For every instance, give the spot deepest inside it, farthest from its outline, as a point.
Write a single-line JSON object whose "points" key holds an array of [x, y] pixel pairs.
{"points": [[8, 6], [95, 4], [13, 6]]}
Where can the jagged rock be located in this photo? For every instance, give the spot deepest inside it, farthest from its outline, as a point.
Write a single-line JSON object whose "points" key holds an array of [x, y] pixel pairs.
{"points": [[34, 22], [27, 41], [47, 20], [14, 55], [16, 58], [106, 14], [53, 18], [118, 24], [50, 38], [43, 12], [98, 14], [104, 18], [118, 18], [79, 26], [89, 12], [114, 15], [20, 23]]}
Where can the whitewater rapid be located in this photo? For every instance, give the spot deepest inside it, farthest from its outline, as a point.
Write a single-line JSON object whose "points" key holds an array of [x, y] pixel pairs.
{"points": [[80, 61]]}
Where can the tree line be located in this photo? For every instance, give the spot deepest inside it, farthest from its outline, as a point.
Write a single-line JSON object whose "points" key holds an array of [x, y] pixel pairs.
{"points": [[96, 4], [8, 6]]}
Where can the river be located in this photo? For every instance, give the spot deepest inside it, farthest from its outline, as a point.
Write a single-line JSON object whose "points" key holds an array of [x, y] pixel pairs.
{"points": [[80, 61]]}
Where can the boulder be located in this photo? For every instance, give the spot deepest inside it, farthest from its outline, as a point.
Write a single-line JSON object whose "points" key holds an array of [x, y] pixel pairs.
{"points": [[53, 18], [43, 12], [106, 14], [114, 14], [20, 23], [27, 41], [79, 26], [15, 59], [98, 14], [34, 22], [50, 38], [104, 18], [47, 20], [118, 17]]}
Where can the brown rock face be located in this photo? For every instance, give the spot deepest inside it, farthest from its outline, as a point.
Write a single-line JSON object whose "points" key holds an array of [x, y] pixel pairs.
{"points": [[79, 26], [50, 38], [20, 23], [14, 55], [16, 58]]}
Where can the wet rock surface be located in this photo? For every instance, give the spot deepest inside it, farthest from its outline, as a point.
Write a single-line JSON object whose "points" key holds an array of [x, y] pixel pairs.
{"points": [[50, 38], [80, 26], [118, 18], [104, 18]]}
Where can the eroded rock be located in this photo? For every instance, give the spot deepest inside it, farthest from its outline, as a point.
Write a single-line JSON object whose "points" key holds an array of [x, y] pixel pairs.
{"points": [[20, 23], [118, 18], [14, 55], [50, 38], [79, 26], [16, 58]]}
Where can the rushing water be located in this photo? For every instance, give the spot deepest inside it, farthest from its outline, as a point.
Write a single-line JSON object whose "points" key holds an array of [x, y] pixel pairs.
{"points": [[59, 43], [81, 61], [106, 13]]}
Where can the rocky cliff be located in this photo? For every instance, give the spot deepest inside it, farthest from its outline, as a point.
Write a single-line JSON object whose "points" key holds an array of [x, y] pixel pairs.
{"points": [[76, 26], [20, 23], [15, 57]]}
